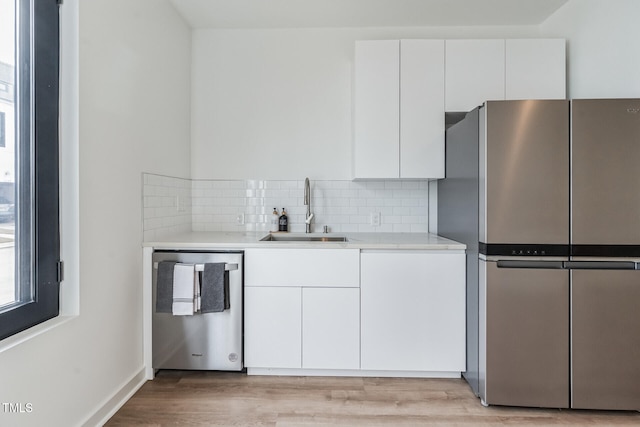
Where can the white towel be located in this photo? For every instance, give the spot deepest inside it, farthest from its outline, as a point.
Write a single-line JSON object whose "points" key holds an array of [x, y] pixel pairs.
{"points": [[184, 281]]}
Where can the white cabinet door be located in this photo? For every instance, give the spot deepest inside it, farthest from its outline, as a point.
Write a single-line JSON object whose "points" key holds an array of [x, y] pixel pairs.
{"points": [[399, 109], [412, 311], [331, 328], [535, 69], [377, 109], [302, 267], [474, 73], [422, 109], [272, 331]]}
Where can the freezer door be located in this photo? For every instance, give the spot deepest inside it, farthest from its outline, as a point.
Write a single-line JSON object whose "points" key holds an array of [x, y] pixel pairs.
{"points": [[525, 157], [527, 336], [605, 175], [605, 339]]}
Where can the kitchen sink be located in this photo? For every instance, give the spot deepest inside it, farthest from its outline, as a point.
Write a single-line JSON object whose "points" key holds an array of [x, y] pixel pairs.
{"points": [[301, 238]]}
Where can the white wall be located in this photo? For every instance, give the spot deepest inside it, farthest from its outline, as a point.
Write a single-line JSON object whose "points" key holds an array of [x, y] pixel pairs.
{"points": [[276, 104], [134, 116], [603, 49]]}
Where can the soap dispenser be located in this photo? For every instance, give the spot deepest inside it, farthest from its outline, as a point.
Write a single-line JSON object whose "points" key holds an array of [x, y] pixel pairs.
{"points": [[275, 221], [284, 221]]}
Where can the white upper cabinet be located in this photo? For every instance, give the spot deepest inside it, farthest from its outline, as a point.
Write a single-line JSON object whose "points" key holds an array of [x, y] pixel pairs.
{"points": [[535, 69], [475, 72], [422, 109], [399, 116], [404, 87], [377, 109]]}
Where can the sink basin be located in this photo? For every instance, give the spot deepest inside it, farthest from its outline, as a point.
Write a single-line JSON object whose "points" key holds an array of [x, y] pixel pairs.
{"points": [[301, 238]]}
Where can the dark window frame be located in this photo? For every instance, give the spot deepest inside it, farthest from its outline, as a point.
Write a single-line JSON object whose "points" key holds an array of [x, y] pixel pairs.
{"points": [[3, 143], [38, 267]]}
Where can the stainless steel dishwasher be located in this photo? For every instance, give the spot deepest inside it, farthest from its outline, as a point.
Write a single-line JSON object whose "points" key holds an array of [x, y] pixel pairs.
{"points": [[209, 341]]}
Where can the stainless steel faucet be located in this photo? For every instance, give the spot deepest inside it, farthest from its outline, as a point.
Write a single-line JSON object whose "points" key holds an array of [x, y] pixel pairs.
{"points": [[307, 202]]}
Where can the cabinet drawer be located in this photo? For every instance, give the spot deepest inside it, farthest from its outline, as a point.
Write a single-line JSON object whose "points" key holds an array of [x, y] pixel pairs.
{"points": [[303, 267]]}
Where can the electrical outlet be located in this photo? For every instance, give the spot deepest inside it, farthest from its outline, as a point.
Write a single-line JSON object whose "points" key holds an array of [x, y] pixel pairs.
{"points": [[240, 219], [375, 219], [181, 206]]}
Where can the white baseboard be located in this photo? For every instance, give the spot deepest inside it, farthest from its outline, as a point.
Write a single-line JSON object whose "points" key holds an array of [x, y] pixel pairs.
{"points": [[351, 373], [116, 401]]}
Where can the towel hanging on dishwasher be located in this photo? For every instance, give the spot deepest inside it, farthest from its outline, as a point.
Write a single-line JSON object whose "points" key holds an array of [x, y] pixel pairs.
{"points": [[164, 287], [185, 283], [215, 288]]}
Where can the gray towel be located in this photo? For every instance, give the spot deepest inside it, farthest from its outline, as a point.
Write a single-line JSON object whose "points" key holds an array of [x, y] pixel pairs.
{"points": [[164, 287], [213, 293]]}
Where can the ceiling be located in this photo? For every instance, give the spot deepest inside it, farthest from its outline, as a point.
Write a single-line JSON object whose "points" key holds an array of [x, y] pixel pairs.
{"points": [[363, 13]]}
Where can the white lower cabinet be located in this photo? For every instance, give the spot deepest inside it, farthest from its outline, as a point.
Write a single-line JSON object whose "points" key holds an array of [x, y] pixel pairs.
{"points": [[334, 268], [412, 311], [302, 309], [273, 327], [407, 317], [331, 328], [295, 327]]}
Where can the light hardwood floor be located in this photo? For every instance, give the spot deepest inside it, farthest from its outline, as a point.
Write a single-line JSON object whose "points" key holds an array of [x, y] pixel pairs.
{"points": [[194, 398]]}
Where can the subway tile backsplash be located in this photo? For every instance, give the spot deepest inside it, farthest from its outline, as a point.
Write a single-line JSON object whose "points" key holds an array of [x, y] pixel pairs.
{"points": [[166, 206], [247, 205]]}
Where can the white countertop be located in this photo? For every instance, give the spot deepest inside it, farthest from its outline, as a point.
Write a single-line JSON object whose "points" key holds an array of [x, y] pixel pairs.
{"points": [[242, 240]]}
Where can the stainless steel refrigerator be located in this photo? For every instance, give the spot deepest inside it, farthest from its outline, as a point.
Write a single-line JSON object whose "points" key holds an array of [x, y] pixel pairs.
{"points": [[546, 194]]}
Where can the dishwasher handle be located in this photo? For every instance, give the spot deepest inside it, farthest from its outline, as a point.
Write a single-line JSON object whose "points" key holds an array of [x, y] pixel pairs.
{"points": [[200, 267], [601, 265], [545, 265]]}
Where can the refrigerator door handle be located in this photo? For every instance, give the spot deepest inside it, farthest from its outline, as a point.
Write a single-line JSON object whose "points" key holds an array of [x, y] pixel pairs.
{"points": [[546, 265], [601, 265]]}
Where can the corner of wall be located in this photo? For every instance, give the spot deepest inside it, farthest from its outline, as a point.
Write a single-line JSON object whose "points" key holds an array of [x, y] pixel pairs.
{"points": [[111, 405]]}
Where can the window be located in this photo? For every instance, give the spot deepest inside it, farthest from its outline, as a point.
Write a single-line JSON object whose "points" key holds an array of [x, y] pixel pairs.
{"points": [[30, 268]]}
